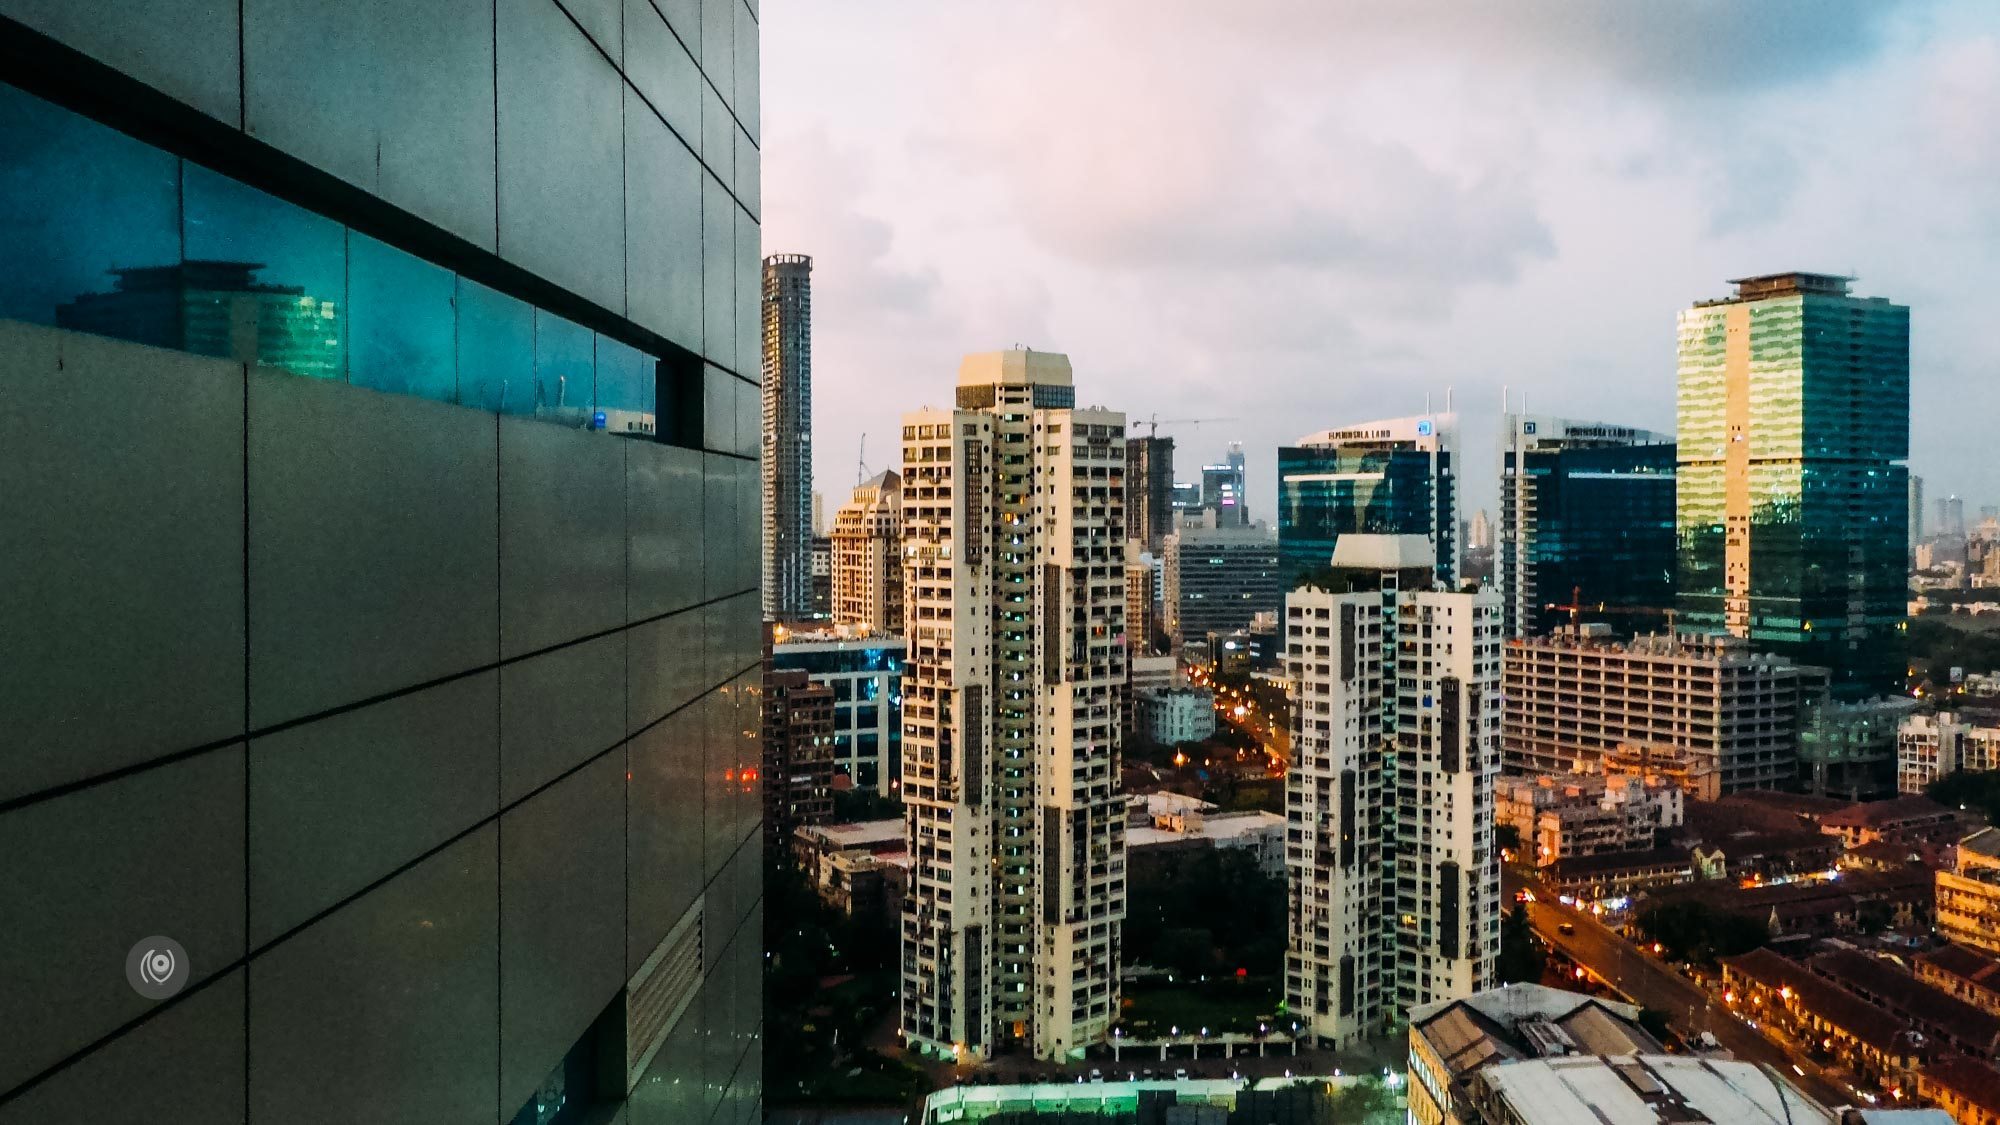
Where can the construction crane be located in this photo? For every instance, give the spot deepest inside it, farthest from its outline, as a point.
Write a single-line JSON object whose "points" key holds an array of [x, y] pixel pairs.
{"points": [[1155, 422], [1576, 608]]}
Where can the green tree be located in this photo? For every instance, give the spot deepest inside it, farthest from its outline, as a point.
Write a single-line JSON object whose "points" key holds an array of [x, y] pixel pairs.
{"points": [[1366, 1101], [1521, 953], [1689, 930], [1979, 791], [1655, 1022]]}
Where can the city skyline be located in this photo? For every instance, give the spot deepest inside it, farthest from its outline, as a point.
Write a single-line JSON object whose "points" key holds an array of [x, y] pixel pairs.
{"points": [[1501, 245]]}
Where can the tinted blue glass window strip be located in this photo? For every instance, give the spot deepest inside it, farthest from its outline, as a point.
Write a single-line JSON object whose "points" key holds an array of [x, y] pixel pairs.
{"points": [[122, 239]]}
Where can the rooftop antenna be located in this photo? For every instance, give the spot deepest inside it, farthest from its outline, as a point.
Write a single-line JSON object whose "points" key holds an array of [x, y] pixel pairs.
{"points": [[861, 460]]}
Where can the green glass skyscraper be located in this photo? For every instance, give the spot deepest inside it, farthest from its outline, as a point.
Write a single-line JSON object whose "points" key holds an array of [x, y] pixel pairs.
{"points": [[1790, 510]]}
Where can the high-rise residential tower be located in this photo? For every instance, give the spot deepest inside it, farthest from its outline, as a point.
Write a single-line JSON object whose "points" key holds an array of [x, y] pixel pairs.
{"points": [[1792, 494], [1587, 512], [379, 392], [1394, 477], [787, 467], [868, 557], [1149, 489], [1479, 534], [1393, 875], [1014, 550], [1951, 517], [1224, 489]]}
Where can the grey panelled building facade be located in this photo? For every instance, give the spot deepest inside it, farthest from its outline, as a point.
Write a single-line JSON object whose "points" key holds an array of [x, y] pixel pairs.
{"points": [[379, 418]]}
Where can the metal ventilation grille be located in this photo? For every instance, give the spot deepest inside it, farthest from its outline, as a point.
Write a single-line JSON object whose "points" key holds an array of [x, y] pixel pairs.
{"points": [[660, 992]]}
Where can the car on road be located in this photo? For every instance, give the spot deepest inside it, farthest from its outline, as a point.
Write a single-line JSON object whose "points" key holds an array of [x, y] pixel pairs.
{"points": [[1096, 1075], [1566, 928], [1180, 1074]]}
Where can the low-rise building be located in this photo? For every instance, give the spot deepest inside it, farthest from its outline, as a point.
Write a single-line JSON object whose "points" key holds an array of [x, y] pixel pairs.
{"points": [[814, 842], [1931, 746], [1525, 1055], [1171, 716], [1968, 1089], [1948, 1021], [1968, 895], [1610, 875], [866, 886], [1972, 975], [1863, 1037], [1563, 816], [1822, 907], [1261, 834], [1908, 819]]}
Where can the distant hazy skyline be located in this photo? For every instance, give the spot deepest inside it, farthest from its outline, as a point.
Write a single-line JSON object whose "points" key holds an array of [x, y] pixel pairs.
{"points": [[1297, 214]]}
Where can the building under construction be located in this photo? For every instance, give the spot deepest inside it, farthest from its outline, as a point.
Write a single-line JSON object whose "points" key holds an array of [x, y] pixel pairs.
{"points": [[1705, 711]]}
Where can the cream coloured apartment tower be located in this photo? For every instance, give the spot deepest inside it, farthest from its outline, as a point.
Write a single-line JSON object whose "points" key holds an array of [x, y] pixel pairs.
{"points": [[1393, 876], [867, 557], [1014, 588]]}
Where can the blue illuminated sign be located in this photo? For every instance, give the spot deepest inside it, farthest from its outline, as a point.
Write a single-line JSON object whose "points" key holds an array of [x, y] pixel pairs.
{"points": [[1424, 428], [597, 420]]}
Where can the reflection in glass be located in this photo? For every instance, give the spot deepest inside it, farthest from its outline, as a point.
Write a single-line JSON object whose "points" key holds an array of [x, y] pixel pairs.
{"points": [[401, 331], [626, 387], [108, 235], [77, 200], [218, 309], [564, 370], [292, 315], [496, 350]]}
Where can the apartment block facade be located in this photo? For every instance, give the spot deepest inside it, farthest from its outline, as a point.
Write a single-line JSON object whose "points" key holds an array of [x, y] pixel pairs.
{"points": [[1706, 710], [1014, 549], [380, 399], [866, 677], [1929, 746], [798, 753], [868, 558], [1392, 871]]}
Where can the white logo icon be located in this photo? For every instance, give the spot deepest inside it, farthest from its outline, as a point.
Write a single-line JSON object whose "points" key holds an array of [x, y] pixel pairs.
{"points": [[157, 966]]}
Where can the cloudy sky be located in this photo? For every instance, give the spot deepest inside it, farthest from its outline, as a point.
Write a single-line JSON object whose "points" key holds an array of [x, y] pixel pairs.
{"points": [[1297, 213]]}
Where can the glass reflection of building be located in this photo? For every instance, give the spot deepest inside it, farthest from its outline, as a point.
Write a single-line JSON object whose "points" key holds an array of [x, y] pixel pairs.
{"points": [[1587, 511], [218, 309], [1393, 477], [1794, 422]]}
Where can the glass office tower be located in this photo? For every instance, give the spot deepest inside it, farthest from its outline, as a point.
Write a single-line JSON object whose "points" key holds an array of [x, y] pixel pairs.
{"points": [[1586, 511], [379, 418], [1792, 512], [1393, 477]]}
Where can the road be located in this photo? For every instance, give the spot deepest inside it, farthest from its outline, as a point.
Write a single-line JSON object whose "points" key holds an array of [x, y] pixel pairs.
{"points": [[1691, 1010]]}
